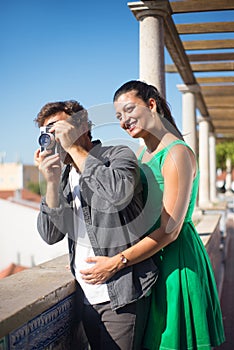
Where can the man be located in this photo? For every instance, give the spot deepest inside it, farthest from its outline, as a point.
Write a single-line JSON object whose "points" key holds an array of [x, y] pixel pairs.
{"points": [[96, 200]]}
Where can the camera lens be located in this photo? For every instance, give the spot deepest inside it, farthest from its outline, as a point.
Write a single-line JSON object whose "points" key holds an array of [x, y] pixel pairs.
{"points": [[44, 140]]}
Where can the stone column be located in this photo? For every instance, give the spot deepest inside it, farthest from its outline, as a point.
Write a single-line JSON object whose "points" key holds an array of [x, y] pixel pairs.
{"points": [[204, 186], [152, 65], [151, 15], [189, 127], [212, 155], [228, 185]]}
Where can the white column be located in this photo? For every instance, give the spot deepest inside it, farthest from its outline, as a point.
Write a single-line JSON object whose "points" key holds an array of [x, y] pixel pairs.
{"points": [[189, 125], [150, 15], [212, 155], [204, 186], [152, 65], [228, 185]]}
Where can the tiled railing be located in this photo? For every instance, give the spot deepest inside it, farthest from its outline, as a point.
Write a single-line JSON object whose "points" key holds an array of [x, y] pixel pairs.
{"points": [[37, 309]]}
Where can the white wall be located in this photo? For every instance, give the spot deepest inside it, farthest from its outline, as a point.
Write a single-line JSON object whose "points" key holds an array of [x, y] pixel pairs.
{"points": [[19, 240]]}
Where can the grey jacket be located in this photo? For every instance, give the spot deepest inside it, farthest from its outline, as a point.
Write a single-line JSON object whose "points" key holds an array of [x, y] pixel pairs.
{"points": [[111, 198]]}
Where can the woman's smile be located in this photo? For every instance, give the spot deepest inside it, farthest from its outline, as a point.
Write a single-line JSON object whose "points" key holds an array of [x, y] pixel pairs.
{"points": [[130, 125]]}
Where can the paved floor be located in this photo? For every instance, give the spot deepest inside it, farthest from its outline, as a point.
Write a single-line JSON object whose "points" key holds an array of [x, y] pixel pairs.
{"points": [[227, 296]]}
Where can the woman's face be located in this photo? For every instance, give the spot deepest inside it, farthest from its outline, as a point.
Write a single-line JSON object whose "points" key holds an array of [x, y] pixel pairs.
{"points": [[134, 115]]}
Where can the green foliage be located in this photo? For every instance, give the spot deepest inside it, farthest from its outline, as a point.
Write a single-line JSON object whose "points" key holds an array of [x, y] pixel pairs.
{"points": [[34, 187], [224, 150]]}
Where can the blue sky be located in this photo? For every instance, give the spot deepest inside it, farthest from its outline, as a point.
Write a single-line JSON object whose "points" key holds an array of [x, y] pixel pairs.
{"points": [[68, 49]]}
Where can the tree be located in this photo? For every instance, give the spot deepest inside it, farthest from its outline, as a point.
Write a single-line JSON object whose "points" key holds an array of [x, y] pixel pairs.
{"points": [[224, 150], [33, 187]]}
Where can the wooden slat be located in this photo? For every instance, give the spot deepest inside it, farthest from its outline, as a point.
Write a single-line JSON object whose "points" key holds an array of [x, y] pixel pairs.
{"points": [[225, 101], [227, 107], [199, 28], [218, 90], [223, 122], [201, 5], [215, 80], [205, 67], [221, 115], [227, 138], [213, 67], [218, 113], [226, 133], [224, 129], [211, 57], [208, 44]]}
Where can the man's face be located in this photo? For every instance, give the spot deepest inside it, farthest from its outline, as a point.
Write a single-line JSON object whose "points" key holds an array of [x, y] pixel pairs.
{"points": [[64, 156]]}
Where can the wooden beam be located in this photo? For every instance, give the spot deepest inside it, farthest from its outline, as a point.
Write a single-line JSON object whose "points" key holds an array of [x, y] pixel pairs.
{"points": [[219, 138], [200, 28], [217, 113], [224, 129], [227, 90], [208, 44], [224, 122], [205, 67], [225, 101], [211, 57], [224, 108], [213, 67], [215, 80], [225, 134], [201, 6]]}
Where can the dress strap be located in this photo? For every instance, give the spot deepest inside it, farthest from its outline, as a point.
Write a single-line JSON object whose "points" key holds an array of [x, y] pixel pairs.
{"points": [[172, 144], [142, 153]]}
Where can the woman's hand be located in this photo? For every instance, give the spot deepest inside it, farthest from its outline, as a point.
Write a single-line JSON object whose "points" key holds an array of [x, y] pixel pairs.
{"points": [[104, 268]]}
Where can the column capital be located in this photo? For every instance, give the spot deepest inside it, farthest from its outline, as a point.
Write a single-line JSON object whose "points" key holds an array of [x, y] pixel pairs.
{"points": [[195, 88], [142, 9], [212, 134], [201, 119]]}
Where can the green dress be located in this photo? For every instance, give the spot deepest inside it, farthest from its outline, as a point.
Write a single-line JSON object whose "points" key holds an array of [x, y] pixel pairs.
{"points": [[185, 310]]}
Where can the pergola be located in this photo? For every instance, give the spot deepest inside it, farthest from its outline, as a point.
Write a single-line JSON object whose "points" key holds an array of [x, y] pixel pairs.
{"points": [[217, 93], [212, 95]]}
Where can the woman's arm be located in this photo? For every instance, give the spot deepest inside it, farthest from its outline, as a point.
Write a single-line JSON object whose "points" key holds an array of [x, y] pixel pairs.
{"points": [[179, 170]]}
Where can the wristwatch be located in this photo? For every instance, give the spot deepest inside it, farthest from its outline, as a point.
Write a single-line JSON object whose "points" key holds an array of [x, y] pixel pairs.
{"points": [[123, 259]]}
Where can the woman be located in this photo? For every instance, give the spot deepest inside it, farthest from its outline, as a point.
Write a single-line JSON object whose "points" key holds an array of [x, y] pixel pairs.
{"points": [[185, 311]]}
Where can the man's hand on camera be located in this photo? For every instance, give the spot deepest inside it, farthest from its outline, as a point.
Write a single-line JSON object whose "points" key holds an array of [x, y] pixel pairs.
{"points": [[48, 165], [66, 134]]}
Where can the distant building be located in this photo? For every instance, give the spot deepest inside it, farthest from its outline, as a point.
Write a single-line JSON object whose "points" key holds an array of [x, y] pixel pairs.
{"points": [[21, 243], [16, 176]]}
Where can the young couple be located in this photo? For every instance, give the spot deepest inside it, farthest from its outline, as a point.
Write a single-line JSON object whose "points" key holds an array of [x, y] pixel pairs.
{"points": [[144, 274]]}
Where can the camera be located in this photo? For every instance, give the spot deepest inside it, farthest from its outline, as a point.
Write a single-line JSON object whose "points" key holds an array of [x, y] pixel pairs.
{"points": [[47, 139]]}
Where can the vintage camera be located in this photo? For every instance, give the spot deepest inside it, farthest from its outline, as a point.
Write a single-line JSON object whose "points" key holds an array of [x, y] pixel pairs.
{"points": [[47, 139]]}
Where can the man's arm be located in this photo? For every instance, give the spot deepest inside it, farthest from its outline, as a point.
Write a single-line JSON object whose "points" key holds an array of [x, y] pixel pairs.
{"points": [[50, 221], [114, 179]]}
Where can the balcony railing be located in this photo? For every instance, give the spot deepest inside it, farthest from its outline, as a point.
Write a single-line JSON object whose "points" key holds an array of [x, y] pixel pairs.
{"points": [[37, 304]]}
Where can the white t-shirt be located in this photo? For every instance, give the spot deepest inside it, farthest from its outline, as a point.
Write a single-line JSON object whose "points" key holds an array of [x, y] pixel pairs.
{"points": [[94, 293]]}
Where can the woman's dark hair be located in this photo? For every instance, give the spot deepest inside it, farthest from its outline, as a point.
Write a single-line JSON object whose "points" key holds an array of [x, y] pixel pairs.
{"points": [[70, 107], [145, 92]]}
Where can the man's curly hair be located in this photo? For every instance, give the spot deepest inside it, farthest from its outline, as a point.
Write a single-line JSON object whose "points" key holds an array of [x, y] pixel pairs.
{"points": [[70, 107]]}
